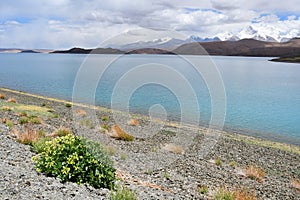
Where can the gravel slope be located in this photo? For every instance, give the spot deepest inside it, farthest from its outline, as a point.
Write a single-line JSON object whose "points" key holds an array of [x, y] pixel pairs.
{"points": [[144, 165]]}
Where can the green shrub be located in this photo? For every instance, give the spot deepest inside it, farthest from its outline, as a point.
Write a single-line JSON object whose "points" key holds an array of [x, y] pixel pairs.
{"points": [[9, 124], [23, 120], [39, 146], [104, 118], [218, 162], [123, 193], [63, 132], [68, 105], [203, 189], [224, 194], [72, 158]]}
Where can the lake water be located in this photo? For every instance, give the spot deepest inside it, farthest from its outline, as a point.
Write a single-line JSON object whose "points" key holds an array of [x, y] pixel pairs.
{"points": [[262, 97]]}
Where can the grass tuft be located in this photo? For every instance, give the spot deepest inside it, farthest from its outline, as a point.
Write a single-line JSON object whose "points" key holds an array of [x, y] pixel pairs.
{"points": [[203, 189], [28, 137], [117, 133], [68, 105], [218, 162], [2, 96], [255, 173], [224, 194], [23, 120], [123, 193]]}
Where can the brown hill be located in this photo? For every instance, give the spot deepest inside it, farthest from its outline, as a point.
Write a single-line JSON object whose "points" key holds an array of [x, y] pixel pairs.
{"points": [[149, 51], [245, 47], [90, 51]]}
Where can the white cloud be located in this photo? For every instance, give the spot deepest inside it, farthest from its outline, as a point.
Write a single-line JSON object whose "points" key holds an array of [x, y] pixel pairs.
{"points": [[66, 23]]}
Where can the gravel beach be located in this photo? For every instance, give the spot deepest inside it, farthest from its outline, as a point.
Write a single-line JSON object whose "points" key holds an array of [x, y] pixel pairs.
{"points": [[166, 164]]}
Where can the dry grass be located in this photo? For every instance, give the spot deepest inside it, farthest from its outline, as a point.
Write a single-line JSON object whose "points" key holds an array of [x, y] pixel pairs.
{"points": [[174, 148], [295, 183], [35, 120], [110, 150], [81, 112], [238, 194], [117, 133], [133, 122], [243, 194], [255, 173], [62, 131], [2, 96], [12, 100], [6, 108], [28, 136]]}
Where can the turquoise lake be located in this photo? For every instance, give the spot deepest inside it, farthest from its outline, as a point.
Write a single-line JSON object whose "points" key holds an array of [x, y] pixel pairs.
{"points": [[262, 97]]}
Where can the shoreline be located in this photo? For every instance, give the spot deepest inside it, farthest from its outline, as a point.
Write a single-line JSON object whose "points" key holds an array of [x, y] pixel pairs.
{"points": [[239, 134], [145, 165]]}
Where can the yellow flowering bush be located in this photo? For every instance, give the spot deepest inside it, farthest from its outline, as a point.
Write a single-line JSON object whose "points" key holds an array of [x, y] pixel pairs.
{"points": [[75, 159]]}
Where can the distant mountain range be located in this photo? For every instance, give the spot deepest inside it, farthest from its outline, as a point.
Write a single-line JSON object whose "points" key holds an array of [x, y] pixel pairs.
{"points": [[245, 47], [196, 46], [261, 33]]}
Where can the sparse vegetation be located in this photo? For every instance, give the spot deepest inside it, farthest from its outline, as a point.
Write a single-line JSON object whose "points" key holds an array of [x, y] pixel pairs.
{"points": [[23, 120], [105, 126], [232, 163], [166, 175], [123, 193], [255, 173], [8, 123], [240, 194], [104, 118], [203, 189], [35, 120], [62, 132], [123, 156], [6, 108], [218, 162], [224, 194], [23, 114]]}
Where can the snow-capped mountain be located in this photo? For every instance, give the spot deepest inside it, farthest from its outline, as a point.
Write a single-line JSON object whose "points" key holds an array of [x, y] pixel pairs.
{"points": [[161, 43], [255, 31], [267, 33]]}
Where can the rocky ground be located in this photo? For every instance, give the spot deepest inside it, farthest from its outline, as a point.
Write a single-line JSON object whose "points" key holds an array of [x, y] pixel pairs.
{"points": [[165, 161]]}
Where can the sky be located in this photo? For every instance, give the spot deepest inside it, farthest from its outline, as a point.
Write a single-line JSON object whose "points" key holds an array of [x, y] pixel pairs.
{"points": [[59, 24]]}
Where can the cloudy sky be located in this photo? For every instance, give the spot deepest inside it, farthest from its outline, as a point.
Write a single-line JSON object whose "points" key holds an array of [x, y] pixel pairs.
{"points": [[88, 23]]}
